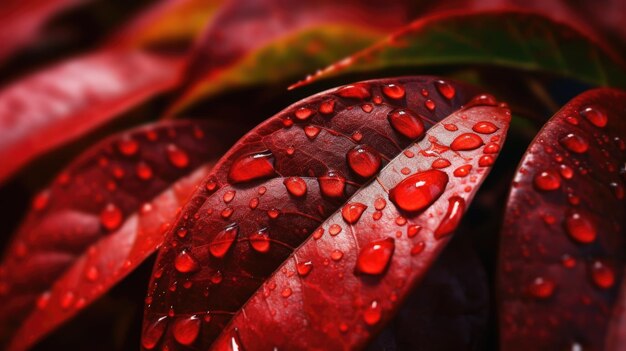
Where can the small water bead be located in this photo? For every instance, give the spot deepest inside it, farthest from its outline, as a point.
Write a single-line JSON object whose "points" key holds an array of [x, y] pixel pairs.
{"points": [[287, 122], [580, 227], [352, 212], [445, 89], [355, 91], [317, 234], [311, 131], [373, 313], [332, 184], [491, 148], [568, 261], [41, 200], [286, 292], [440, 163], [143, 171], [574, 143], [486, 161], [357, 136], [485, 127], [566, 172], [262, 189], [452, 218], [595, 115], [418, 191], [252, 166], [334, 229], [273, 213], [413, 230], [186, 329], [303, 113], [547, 180], [400, 220], [418, 248], [406, 123], [227, 212], [424, 92], [451, 127], [67, 299], [430, 104], [92, 273], [377, 215], [462, 171], [153, 333], [336, 255], [367, 108], [290, 150], [177, 157], [217, 277], [185, 263], [374, 257], [296, 186], [211, 184], [542, 288], [327, 107], [602, 275], [221, 243], [466, 141], [394, 91], [571, 120], [364, 160], [304, 268], [260, 240], [128, 146], [229, 196], [111, 217], [380, 203], [181, 232]]}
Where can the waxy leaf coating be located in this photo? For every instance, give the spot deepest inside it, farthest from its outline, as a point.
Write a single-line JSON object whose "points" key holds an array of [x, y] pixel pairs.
{"points": [[249, 217], [99, 220], [562, 247]]}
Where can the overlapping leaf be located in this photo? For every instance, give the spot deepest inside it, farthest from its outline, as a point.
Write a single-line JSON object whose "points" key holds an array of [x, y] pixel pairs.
{"points": [[268, 194], [562, 246], [61, 103], [520, 40], [101, 218]]}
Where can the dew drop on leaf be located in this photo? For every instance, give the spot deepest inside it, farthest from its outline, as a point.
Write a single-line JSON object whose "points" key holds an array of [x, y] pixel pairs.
{"points": [[296, 186], [393, 91], [466, 141], [452, 218], [260, 240], [364, 160], [177, 157], [252, 166], [111, 217], [445, 89], [351, 212], [418, 191], [406, 123], [186, 329], [547, 180], [222, 242], [580, 228], [374, 257], [153, 333], [372, 313]]}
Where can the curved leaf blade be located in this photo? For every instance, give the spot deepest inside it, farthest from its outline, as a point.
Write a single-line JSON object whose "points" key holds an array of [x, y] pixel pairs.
{"points": [[562, 245], [61, 103], [271, 190], [99, 220], [516, 39]]}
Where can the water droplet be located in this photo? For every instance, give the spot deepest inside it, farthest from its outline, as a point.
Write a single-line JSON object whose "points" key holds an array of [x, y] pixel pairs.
{"points": [[311, 131], [222, 242], [355, 91], [541, 288], [491, 148], [430, 104], [380, 203], [317, 234], [185, 263], [67, 299], [327, 107], [406, 123], [451, 127], [568, 261], [485, 161], [595, 115], [287, 122], [547, 180], [372, 313], [153, 333], [413, 230], [445, 89], [229, 196], [364, 160], [273, 213], [466, 141], [336, 255], [418, 248], [440, 163], [260, 240], [128, 146], [227, 212], [217, 277], [111, 217], [482, 100], [286, 292], [484, 127], [304, 268], [186, 329], [253, 166], [303, 113], [143, 171], [41, 200], [393, 91], [618, 190], [456, 208], [332, 184], [178, 158], [602, 275], [367, 108], [375, 256], [334, 229], [418, 191], [296, 186], [351, 212], [574, 143], [580, 227], [462, 171], [92, 273]]}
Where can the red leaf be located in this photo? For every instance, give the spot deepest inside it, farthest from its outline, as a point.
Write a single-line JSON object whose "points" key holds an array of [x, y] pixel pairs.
{"points": [[100, 218], [63, 102], [562, 245], [22, 20], [246, 221]]}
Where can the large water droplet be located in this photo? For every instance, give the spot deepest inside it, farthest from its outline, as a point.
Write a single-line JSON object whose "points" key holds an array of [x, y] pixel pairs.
{"points": [[466, 141], [375, 256], [311, 132], [178, 158], [111, 217], [484, 127], [252, 166], [304, 268], [185, 263], [393, 91], [595, 115], [351, 212], [456, 208], [420, 190], [574, 143], [186, 329], [462, 171], [260, 240], [332, 184], [364, 160], [445, 89], [355, 91], [303, 113], [580, 227], [547, 180], [153, 333], [406, 123], [222, 242], [296, 186]]}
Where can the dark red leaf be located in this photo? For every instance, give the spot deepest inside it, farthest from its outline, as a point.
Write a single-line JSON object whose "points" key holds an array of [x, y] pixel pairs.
{"points": [[98, 220], [562, 245], [22, 20], [268, 194], [61, 103]]}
